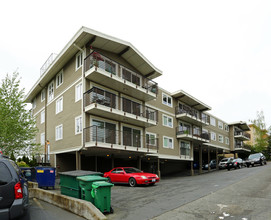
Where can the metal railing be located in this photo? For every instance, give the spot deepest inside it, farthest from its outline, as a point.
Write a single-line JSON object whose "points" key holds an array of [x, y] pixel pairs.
{"points": [[116, 137], [192, 112], [101, 61], [238, 133], [240, 146], [195, 132], [110, 100], [47, 63]]}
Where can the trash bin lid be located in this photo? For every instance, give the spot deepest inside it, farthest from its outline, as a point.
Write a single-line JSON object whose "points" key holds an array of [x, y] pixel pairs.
{"points": [[91, 178], [80, 173], [98, 184]]}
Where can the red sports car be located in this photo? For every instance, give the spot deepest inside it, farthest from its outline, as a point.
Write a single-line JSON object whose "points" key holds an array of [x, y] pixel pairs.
{"points": [[131, 175]]}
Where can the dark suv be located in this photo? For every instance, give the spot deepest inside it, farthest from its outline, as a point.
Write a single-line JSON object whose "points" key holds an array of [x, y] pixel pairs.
{"points": [[13, 190], [257, 158]]}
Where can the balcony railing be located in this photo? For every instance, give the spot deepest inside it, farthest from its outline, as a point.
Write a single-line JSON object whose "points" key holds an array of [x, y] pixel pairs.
{"points": [[240, 146], [111, 66], [110, 100], [115, 137], [195, 132], [241, 133], [192, 112]]}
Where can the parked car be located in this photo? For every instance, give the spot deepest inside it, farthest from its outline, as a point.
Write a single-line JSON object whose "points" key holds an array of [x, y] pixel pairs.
{"points": [[257, 158], [212, 165], [13, 190], [223, 163], [235, 163], [132, 176]]}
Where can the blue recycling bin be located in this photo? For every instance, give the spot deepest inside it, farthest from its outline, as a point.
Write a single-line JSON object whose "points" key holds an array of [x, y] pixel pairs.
{"points": [[45, 176]]}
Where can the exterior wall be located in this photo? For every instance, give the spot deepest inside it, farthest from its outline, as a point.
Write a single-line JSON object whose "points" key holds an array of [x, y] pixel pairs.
{"points": [[232, 138]]}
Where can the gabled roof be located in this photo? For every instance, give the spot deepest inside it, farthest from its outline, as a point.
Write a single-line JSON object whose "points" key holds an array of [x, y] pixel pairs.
{"points": [[190, 100], [98, 40]]}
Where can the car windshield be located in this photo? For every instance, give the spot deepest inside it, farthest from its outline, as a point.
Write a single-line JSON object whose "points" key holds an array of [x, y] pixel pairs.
{"points": [[132, 170], [253, 156], [224, 160]]}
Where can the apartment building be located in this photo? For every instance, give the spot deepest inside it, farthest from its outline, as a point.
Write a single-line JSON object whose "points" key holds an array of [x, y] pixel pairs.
{"points": [[97, 106]]}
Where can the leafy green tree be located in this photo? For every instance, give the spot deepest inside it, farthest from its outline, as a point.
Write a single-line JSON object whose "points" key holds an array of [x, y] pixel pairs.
{"points": [[12, 157], [260, 133], [17, 127]]}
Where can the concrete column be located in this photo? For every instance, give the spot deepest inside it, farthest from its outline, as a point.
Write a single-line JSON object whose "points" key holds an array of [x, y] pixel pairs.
{"points": [[192, 155], [112, 161], [200, 159], [139, 162], [78, 160], [216, 154], [96, 163], [209, 168], [192, 168], [158, 168]]}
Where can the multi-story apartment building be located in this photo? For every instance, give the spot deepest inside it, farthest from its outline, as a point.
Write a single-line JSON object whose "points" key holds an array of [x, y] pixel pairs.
{"points": [[97, 107]]}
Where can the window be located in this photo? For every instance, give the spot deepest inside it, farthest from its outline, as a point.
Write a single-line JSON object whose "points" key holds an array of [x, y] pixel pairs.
{"points": [[227, 140], [184, 128], [130, 76], [78, 125], [168, 142], [213, 121], [59, 79], [131, 137], [59, 105], [78, 92], [167, 121], [79, 60], [103, 132], [59, 132], [42, 95], [51, 91], [213, 136], [5, 175], [131, 107], [185, 148], [220, 138], [42, 117], [34, 103], [166, 100], [151, 139], [226, 127], [42, 138], [220, 124]]}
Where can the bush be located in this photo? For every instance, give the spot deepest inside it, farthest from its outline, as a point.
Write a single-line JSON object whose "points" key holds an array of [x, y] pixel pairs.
{"points": [[22, 164]]}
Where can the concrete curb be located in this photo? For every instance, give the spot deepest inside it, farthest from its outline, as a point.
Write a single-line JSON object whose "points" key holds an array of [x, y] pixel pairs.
{"points": [[77, 206]]}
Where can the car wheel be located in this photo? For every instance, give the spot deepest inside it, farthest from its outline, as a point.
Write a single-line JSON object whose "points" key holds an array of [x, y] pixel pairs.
{"points": [[132, 182], [109, 180], [228, 169], [261, 163], [252, 165], [248, 166]]}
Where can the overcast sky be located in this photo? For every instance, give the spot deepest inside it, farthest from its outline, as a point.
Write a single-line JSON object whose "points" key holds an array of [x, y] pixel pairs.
{"points": [[217, 51]]}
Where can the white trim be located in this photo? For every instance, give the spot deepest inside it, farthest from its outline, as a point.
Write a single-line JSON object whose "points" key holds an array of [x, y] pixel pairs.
{"points": [[155, 137], [42, 134], [211, 121], [220, 123], [38, 112], [167, 96], [214, 136], [60, 138], [66, 150], [167, 121], [222, 138], [60, 73], [42, 91], [80, 53], [52, 98], [78, 117], [81, 94], [172, 142], [227, 142], [61, 106], [41, 122]]}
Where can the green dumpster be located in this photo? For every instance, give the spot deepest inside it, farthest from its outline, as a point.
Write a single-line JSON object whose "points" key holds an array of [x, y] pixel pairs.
{"points": [[85, 183], [69, 185], [101, 192]]}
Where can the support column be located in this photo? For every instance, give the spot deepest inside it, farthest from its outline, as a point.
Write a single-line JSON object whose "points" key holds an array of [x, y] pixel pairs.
{"points": [[200, 159], [158, 168], [192, 168], [96, 163], [139, 162], [112, 161], [78, 160], [209, 168], [192, 156], [216, 154]]}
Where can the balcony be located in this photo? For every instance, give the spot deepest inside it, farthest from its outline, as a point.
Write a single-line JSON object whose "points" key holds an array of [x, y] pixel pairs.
{"points": [[100, 137], [190, 115], [241, 147], [101, 69], [108, 105], [242, 136], [195, 134]]}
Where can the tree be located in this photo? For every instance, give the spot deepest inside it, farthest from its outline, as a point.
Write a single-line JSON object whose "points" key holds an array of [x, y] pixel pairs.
{"points": [[260, 133], [17, 127]]}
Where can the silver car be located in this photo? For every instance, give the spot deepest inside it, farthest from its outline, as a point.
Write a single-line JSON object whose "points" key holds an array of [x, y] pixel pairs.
{"points": [[223, 163]]}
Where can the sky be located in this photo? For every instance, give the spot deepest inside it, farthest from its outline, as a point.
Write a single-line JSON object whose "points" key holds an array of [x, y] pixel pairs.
{"points": [[217, 51]]}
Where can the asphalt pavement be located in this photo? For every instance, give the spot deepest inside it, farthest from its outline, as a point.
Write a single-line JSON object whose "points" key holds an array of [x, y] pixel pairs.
{"points": [[243, 194]]}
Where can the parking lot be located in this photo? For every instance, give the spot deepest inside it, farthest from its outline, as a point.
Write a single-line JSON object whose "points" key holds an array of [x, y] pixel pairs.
{"points": [[146, 202]]}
